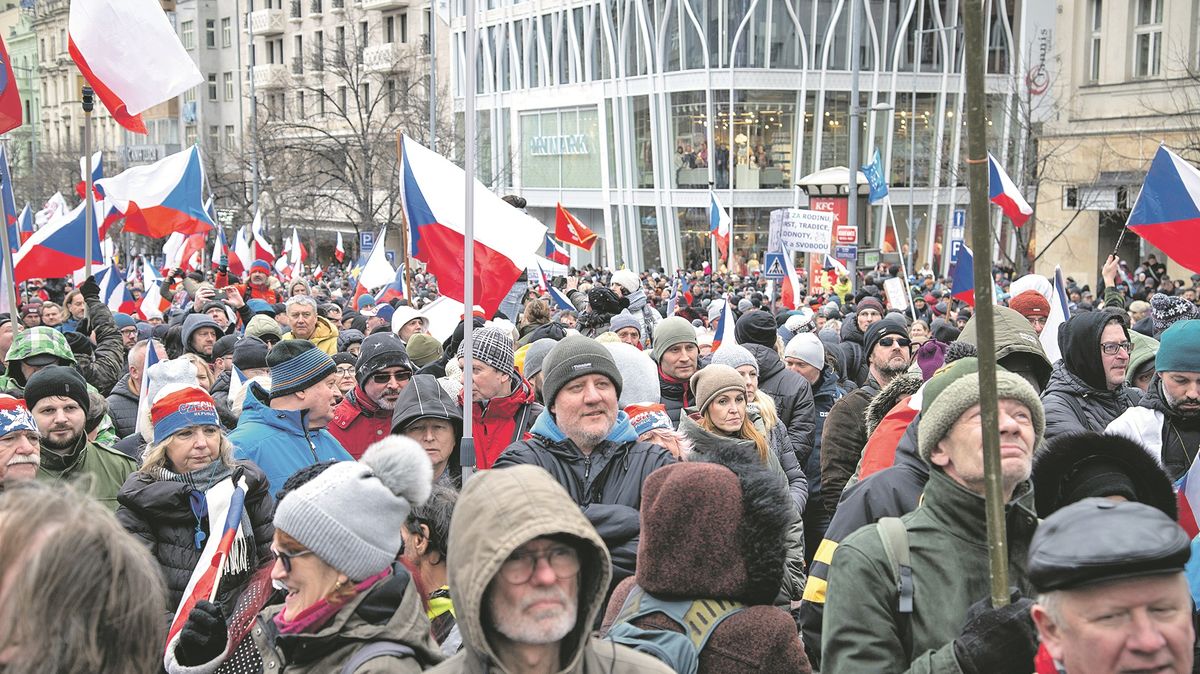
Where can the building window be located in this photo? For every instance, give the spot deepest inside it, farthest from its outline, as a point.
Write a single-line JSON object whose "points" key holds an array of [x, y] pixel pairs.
{"points": [[300, 108], [226, 32], [342, 99], [230, 137], [210, 33], [1147, 38], [1094, 53], [189, 96], [187, 31], [321, 104], [212, 135], [391, 93], [229, 86], [404, 28], [212, 86], [389, 29]]}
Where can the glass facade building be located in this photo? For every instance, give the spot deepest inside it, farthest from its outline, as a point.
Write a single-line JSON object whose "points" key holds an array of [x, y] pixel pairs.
{"points": [[629, 111]]}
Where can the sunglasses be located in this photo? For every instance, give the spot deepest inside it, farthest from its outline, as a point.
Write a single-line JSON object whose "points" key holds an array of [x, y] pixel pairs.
{"points": [[889, 341], [385, 377], [285, 558]]}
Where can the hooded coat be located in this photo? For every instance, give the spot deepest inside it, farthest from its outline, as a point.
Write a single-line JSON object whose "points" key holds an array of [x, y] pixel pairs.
{"points": [[793, 398], [424, 397], [191, 324], [1077, 397], [854, 358], [498, 512], [738, 558], [606, 484]]}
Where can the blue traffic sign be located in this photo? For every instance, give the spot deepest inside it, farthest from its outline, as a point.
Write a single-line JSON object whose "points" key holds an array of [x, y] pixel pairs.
{"points": [[366, 241], [845, 252], [773, 266]]}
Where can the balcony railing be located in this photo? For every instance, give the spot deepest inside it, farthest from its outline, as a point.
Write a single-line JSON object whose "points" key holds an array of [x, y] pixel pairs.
{"points": [[266, 21]]}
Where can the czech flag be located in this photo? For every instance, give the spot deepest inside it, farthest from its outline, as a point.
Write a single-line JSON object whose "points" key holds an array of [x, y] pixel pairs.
{"points": [[262, 248], [1003, 193], [97, 174], [222, 255], [243, 248], [835, 264], [57, 249], [723, 330], [570, 230], [10, 98], [161, 198], [1187, 490], [25, 227], [1167, 211], [339, 251], [113, 291], [560, 300], [394, 290], [183, 251], [543, 281], [10, 203], [130, 54], [962, 277], [792, 295], [555, 252], [504, 237], [720, 224]]}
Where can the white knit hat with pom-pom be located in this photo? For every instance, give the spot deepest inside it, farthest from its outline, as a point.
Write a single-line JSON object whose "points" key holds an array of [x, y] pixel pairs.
{"points": [[351, 515]]}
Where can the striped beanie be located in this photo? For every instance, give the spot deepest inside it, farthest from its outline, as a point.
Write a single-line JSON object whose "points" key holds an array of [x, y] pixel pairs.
{"points": [[297, 364], [178, 407], [260, 265], [647, 417], [14, 416]]}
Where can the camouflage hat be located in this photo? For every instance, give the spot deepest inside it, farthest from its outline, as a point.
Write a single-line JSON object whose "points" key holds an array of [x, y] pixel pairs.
{"points": [[40, 341]]}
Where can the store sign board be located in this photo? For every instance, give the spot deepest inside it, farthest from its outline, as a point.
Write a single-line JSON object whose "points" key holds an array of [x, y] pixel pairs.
{"points": [[554, 146]]}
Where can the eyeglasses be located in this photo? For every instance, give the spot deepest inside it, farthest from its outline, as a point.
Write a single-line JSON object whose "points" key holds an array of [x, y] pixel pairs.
{"points": [[1111, 348], [385, 377], [1037, 320], [904, 342], [286, 558], [519, 567], [347, 371]]}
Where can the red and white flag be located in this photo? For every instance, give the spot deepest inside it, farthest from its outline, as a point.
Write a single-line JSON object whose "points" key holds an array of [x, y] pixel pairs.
{"points": [[339, 251], [570, 230]]}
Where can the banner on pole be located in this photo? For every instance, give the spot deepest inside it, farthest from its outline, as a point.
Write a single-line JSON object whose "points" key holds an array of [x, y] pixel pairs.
{"points": [[896, 296], [803, 231]]}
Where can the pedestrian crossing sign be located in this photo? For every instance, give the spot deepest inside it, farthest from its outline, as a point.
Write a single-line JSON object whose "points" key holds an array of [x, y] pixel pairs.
{"points": [[773, 268]]}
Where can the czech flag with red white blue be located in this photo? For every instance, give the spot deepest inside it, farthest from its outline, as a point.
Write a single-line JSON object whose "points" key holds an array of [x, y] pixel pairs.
{"points": [[1003, 193], [1187, 490], [1167, 211], [57, 249], [723, 330], [962, 277], [555, 251]]}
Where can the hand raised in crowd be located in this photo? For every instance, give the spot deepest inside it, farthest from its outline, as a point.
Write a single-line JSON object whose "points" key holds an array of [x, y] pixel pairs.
{"points": [[90, 289], [203, 636], [233, 297], [1109, 271]]}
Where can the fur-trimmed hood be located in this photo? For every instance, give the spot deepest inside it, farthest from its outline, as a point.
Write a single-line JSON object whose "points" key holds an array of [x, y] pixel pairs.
{"points": [[899, 388], [1071, 466]]}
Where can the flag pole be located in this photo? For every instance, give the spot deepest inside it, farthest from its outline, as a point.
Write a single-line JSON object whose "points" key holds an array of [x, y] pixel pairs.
{"points": [[981, 237], [9, 286], [903, 267], [404, 246], [467, 450], [90, 210]]}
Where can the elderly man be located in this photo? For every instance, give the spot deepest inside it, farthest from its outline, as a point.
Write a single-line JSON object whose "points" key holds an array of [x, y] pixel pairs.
{"points": [[308, 325], [123, 402], [586, 442], [20, 442], [1112, 595], [407, 321], [365, 414], [503, 406], [1167, 421], [283, 430], [677, 352], [58, 398], [1087, 388], [880, 619], [531, 575], [627, 328]]}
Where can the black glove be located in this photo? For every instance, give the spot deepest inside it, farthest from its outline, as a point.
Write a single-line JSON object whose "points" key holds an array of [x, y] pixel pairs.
{"points": [[223, 269], [997, 640], [204, 635], [90, 289]]}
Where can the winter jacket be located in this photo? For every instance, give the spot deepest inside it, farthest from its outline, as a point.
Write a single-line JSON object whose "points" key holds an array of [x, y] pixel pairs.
{"points": [[842, 442], [709, 445], [220, 396], [947, 537], [159, 514], [781, 447], [325, 336], [675, 395], [1077, 396], [828, 390], [250, 291], [519, 506], [500, 422], [792, 395], [108, 469], [892, 492], [123, 407], [1018, 348], [1169, 437], [279, 441], [109, 358], [854, 358], [606, 484], [358, 422], [886, 419], [388, 611]]}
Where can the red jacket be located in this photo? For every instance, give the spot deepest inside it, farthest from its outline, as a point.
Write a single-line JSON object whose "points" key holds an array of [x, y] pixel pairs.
{"points": [[358, 422], [495, 427], [880, 450], [250, 291]]}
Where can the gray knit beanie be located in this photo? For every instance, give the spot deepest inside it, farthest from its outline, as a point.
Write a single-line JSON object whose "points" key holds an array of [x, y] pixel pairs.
{"points": [[535, 356], [735, 356], [639, 372], [954, 389], [669, 332], [714, 380], [624, 320], [351, 515], [575, 357]]}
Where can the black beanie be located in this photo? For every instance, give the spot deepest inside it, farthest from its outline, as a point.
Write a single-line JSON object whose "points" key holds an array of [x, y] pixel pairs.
{"points": [[879, 329], [380, 350], [250, 352], [57, 380], [80, 343], [575, 357], [756, 327]]}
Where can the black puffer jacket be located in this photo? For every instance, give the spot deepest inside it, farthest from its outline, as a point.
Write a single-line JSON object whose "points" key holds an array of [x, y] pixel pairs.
{"points": [[123, 407], [159, 514], [1077, 397], [854, 357], [842, 440], [793, 398]]}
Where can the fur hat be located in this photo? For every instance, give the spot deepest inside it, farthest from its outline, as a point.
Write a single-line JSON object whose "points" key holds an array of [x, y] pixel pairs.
{"points": [[1074, 466]]}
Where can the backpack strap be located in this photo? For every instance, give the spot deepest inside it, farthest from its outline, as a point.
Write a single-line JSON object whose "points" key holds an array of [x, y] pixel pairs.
{"points": [[697, 619], [376, 649], [895, 544]]}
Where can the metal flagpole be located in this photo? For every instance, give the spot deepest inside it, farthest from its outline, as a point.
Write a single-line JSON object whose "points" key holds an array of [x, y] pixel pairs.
{"points": [[404, 245], [90, 210], [903, 267], [433, 18], [981, 238], [852, 172], [467, 450]]}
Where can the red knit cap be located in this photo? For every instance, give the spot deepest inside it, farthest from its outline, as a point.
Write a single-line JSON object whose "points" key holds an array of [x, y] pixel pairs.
{"points": [[1030, 303]]}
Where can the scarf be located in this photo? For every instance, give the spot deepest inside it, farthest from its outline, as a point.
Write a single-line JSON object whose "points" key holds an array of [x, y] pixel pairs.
{"points": [[314, 617], [675, 389]]}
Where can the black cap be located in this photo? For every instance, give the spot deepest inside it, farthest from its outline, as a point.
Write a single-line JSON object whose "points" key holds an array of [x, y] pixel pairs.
{"points": [[249, 353], [1097, 540], [889, 325], [224, 346], [57, 380]]}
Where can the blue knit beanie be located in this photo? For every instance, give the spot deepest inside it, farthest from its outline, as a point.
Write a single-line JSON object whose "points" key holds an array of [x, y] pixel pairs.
{"points": [[1179, 348]]}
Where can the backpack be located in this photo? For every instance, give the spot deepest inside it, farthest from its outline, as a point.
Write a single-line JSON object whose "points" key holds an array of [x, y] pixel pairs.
{"points": [[376, 649], [895, 544], [698, 619]]}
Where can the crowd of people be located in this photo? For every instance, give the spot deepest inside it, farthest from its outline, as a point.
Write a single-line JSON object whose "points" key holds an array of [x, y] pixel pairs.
{"points": [[642, 489]]}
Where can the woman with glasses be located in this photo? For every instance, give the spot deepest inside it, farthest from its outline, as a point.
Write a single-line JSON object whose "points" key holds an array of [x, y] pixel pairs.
{"points": [[345, 371], [381, 372], [348, 605], [179, 500]]}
